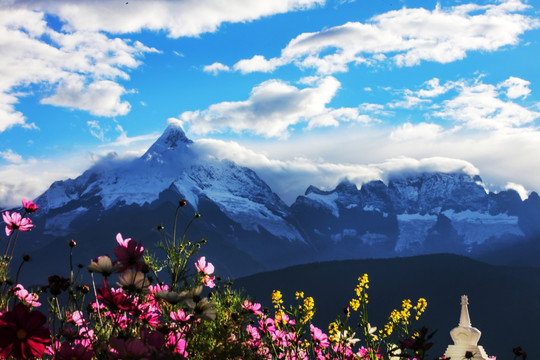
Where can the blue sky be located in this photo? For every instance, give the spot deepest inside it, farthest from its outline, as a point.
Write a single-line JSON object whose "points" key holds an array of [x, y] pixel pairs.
{"points": [[302, 91]]}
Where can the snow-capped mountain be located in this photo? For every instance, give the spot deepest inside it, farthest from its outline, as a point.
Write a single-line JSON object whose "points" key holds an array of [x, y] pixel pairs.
{"points": [[170, 163], [249, 228], [414, 214]]}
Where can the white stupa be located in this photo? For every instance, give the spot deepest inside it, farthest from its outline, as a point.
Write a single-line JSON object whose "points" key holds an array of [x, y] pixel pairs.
{"points": [[465, 338]]}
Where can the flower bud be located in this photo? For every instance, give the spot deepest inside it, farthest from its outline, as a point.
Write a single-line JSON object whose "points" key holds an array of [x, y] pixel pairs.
{"points": [[182, 203], [72, 243], [26, 257]]}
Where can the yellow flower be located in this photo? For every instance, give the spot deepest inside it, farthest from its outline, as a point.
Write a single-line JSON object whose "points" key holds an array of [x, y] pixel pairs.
{"points": [[299, 295], [354, 304], [363, 284], [277, 298], [420, 307], [333, 327]]}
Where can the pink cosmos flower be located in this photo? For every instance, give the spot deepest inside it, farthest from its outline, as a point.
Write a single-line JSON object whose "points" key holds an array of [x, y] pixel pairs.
{"points": [[78, 318], [206, 269], [121, 240], [129, 253], [320, 337], [203, 267], [176, 344], [28, 298], [16, 221], [208, 281], [254, 308], [29, 206], [180, 316]]}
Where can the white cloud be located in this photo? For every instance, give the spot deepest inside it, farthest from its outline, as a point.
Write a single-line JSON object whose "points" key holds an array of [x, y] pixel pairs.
{"points": [[405, 164], [11, 156], [520, 189], [16, 183], [421, 131], [80, 63], [96, 130], [123, 140], [516, 87], [409, 101], [101, 98], [272, 109], [257, 63], [215, 68], [407, 37], [291, 175], [178, 18], [479, 106], [434, 88], [75, 69]]}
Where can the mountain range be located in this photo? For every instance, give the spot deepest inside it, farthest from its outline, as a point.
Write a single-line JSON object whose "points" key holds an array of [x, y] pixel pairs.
{"points": [[249, 229]]}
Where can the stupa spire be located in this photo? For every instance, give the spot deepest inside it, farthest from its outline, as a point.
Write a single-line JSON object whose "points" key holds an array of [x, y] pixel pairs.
{"points": [[465, 337]]}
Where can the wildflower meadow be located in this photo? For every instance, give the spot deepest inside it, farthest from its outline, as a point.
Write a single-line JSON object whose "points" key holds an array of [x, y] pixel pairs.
{"points": [[169, 303]]}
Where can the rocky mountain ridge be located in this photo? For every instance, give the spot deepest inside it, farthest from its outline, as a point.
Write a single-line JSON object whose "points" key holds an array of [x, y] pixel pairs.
{"points": [[251, 229]]}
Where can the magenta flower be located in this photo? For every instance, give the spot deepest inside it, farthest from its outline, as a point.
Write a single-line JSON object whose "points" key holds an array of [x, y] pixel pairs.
{"points": [[129, 254], [16, 221], [176, 344], [79, 352], [22, 334], [115, 299], [29, 206]]}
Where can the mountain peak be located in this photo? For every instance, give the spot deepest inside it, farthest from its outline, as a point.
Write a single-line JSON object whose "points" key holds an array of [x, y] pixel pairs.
{"points": [[172, 142], [173, 136]]}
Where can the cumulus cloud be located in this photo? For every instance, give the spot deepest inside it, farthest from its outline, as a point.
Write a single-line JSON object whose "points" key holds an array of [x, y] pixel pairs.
{"points": [[215, 68], [101, 98], [479, 106], [516, 87], [178, 18], [258, 63], [77, 69], [273, 107], [81, 63], [434, 88], [406, 37]]}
